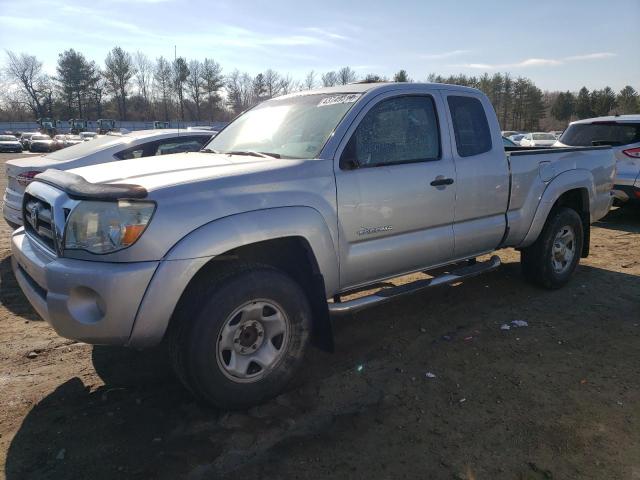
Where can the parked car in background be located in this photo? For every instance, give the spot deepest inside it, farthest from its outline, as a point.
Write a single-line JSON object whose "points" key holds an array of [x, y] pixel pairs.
{"points": [[9, 143], [25, 137], [236, 256], [622, 132], [517, 137], [538, 139], [58, 142], [508, 133], [207, 128], [508, 143], [556, 133], [86, 136], [40, 143], [108, 148], [71, 140]]}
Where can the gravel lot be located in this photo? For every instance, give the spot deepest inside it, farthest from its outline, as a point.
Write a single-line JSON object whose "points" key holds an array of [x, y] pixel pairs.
{"points": [[557, 399]]}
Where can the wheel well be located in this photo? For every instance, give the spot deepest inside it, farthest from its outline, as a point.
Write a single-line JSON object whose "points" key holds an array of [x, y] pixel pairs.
{"points": [[292, 255], [578, 200]]}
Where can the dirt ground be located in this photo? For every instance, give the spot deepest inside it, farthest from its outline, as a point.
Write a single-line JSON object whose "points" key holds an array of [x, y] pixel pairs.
{"points": [[557, 399]]}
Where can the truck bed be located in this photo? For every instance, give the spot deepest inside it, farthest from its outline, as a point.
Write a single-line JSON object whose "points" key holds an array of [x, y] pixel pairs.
{"points": [[533, 170]]}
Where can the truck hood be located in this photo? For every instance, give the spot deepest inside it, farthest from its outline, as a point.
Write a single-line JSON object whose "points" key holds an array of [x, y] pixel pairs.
{"points": [[158, 172]]}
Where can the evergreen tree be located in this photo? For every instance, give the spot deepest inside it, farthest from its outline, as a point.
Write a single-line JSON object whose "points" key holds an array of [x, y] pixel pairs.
{"points": [[401, 76], [119, 70], [563, 106], [628, 101], [75, 78], [583, 104]]}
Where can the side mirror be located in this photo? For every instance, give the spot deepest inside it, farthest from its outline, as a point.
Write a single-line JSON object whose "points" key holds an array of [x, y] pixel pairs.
{"points": [[349, 159], [348, 163]]}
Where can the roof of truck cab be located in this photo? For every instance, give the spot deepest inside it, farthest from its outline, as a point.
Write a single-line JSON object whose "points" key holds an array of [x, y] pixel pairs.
{"points": [[378, 86], [635, 118], [156, 132]]}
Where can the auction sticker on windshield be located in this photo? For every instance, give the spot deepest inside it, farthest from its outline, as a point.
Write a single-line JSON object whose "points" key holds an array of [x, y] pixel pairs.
{"points": [[337, 99]]}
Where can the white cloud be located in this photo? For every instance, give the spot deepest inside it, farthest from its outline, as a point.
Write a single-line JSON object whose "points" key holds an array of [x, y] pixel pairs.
{"points": [[441, 55], [325, 33], [536, 62], [592, 56], [22, 22]]}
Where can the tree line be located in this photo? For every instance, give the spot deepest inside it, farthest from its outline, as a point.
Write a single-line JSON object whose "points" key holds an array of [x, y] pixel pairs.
{"points": [[135, 87]]}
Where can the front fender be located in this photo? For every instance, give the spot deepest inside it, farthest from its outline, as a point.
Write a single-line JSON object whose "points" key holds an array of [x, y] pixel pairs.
{"points": [[569, 180], [197, 248]]}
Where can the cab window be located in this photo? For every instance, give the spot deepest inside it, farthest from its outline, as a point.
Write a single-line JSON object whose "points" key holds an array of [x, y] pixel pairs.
{"points": [[395, 131]]}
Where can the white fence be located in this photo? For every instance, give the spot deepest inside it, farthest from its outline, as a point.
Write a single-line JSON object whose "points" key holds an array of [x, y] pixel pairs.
{"points": [[63, 126]]}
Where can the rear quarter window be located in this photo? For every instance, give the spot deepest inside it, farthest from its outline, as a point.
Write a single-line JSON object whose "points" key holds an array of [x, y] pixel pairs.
{"points": [[470, 125], [584, 134]]}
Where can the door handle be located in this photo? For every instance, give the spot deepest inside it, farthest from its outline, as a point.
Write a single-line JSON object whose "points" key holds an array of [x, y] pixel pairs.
{"points": [[441, 181]]}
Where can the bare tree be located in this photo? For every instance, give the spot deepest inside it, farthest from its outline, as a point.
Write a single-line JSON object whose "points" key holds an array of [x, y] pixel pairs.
{"points": [[309, 81], [273, 83], [162, 79], [26, 71], [346, 75], [119, 70], [288, 85], [144, 77], [329, 79], [212, 83], [194, 85]]}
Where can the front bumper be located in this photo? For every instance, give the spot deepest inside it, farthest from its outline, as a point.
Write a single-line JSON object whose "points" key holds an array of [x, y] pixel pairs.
{"points": [[94, 302]]}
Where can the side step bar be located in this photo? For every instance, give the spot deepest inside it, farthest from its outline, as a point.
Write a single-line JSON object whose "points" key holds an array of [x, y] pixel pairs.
{"points": [[387, 294]]}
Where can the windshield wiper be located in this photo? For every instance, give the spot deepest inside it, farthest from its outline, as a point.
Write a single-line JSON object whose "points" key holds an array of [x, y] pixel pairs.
{"points": [[209, 150], [253, 153]]}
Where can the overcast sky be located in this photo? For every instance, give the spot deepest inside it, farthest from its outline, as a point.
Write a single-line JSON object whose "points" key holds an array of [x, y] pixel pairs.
{"points": [[558, 44]]}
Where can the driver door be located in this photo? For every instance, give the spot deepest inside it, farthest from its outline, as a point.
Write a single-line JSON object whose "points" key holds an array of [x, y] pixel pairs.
{"points": [[395, 190]]}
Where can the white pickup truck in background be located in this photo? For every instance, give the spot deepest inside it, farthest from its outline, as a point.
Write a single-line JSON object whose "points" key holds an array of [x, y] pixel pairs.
{"points": [[237, 255]]}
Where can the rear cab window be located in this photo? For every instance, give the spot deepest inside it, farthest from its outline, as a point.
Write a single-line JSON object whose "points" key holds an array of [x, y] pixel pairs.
{"points": [[585, 134], [470, 125]]}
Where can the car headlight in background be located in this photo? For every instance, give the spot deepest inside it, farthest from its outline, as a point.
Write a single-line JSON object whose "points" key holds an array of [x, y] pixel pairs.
{"points": [[105, 227]]}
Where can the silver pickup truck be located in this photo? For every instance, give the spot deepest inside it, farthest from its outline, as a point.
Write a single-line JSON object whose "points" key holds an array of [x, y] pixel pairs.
{"points": [[237, 256]]}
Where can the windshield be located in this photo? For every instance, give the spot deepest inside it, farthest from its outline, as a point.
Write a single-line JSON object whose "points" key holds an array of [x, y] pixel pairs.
{"points": [[86, 148], [40, 137], [543, 136], [584, 134], [7, 138], [295, 127]]}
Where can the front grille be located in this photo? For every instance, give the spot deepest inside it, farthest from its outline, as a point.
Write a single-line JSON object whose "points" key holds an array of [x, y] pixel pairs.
{"points": [[38, 220]]}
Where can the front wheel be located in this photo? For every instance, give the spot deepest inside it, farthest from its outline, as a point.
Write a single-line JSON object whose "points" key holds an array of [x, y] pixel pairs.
{"points": [[242, 336], [554, 256]]}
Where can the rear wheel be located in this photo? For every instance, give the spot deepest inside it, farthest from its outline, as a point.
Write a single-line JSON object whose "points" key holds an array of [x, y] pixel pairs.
{"points": [[552, 259], [242, 337]]}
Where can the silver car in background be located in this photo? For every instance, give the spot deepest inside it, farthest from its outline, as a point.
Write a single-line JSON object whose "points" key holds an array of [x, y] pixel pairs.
{"points": [[538, 139], [108, 148], [622, 132]]}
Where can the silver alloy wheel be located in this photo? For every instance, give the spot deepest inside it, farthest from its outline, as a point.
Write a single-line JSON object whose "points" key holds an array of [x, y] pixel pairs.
{"points": [[563, 249], [252, 340]]}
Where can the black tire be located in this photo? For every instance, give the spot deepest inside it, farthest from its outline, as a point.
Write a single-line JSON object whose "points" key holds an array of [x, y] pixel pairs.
{"points": [[537, 260], [197, 326]]}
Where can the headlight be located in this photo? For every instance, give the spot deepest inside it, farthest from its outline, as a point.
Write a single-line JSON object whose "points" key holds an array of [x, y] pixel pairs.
{"points": [[105, 227]]}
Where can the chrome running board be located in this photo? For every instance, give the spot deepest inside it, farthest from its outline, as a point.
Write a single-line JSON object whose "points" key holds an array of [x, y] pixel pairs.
{"points": [[387, 294]]}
